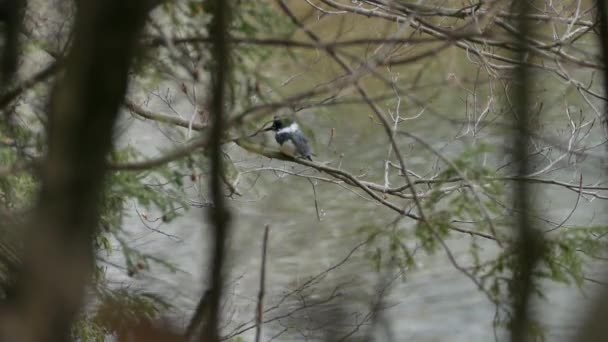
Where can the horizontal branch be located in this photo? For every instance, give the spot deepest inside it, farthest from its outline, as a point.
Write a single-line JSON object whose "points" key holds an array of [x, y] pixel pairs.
{"points": [[162, 118], [18, 89], [287, 43], [451, 35], [178, 153], [348, 179], [473, 10]]}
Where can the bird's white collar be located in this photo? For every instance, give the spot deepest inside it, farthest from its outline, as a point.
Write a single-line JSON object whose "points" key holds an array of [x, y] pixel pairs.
{"points": [[289, 129]]}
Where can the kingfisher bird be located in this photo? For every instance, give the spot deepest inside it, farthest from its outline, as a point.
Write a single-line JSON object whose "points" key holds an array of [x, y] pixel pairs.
{"points": [[290, 137]]}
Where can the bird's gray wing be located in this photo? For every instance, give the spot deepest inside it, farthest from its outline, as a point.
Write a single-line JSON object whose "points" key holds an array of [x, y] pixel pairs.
{"points": [[301, 143]]}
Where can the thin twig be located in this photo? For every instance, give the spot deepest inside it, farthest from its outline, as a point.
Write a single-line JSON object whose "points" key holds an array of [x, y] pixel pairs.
{"points": [[578, 199], [314, 192]]}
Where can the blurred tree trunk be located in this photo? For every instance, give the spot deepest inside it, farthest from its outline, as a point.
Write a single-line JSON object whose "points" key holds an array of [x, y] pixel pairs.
{"points": [[58, 256], [529, 241], [219, 214], [11, 15], [594, 328]]}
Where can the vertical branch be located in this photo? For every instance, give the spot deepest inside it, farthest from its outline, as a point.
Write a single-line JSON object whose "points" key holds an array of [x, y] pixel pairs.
{"points": [[11, 14], [197, 326], [529, 241], [219, 214], [594, 328], [602, 18], [260, 308]]}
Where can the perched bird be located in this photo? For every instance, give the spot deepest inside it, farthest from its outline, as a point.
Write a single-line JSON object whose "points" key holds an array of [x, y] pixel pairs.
{"points": [[290, 137]]}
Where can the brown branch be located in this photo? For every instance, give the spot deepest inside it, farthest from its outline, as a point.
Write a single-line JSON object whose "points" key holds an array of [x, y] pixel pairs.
{"points": [[260, 307], [198, 323], [602, 15], [529, 244], [11, 16], [594, 328]]}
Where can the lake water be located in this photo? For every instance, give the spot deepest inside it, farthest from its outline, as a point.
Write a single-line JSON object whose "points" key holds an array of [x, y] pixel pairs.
{"points": [[432, 302]]}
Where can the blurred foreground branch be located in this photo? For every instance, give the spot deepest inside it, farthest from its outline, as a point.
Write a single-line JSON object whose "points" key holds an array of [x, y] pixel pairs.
{"points": [[83, 109], [529, 243], [260, 307], [11, 15], [594, 328], [219, 215]]}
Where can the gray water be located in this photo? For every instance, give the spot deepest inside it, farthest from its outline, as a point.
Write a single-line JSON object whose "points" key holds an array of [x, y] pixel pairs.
{"points": [[432, 302]]}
